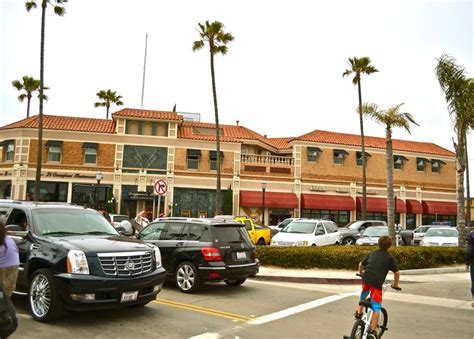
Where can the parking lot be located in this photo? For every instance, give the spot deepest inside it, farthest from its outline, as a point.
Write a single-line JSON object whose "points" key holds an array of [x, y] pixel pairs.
{"points": [[260, 309]]}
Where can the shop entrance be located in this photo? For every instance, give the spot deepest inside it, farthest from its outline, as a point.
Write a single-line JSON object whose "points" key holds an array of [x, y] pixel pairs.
{"points": [[278, 215]]}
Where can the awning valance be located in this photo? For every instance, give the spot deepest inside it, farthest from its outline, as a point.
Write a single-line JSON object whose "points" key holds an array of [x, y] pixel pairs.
{"points": [[341, 152], [57, 143], [380, 205], [7, 142], [193, 152], [414, 207], [272, 199], [327, 202], [90, 145], [439, 207], [213, 155]]}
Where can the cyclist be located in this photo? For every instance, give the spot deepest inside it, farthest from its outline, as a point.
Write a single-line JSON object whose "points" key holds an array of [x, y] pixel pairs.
{"points": [[373, 270]]}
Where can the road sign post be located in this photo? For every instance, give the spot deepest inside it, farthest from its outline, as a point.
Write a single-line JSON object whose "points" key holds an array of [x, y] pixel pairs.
{"points": [[160, 188]]}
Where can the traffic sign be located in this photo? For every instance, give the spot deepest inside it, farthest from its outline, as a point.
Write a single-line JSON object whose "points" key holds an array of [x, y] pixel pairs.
{"points": [[160, 188]]}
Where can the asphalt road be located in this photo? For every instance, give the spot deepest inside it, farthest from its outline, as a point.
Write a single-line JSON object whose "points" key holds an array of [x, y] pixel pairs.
{"points": [[267, 310]]}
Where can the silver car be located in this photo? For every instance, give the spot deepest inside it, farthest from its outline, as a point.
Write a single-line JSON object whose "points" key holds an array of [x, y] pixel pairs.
{"points": [[440, 236]]}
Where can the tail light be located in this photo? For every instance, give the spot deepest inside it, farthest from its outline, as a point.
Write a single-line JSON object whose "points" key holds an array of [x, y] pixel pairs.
{"points": [[211, 254]]}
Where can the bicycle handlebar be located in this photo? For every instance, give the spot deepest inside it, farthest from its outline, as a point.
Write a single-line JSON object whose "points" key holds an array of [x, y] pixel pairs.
{"points": [[395, 288]]}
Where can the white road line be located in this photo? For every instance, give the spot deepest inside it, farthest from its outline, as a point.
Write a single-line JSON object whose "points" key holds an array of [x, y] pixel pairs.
{"points": [[298, 309]]}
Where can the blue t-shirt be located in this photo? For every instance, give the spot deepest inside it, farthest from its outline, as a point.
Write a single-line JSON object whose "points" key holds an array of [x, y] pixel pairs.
{"points": [[9, 255]]}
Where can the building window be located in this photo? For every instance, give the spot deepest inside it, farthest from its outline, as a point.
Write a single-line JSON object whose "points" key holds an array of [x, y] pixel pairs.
{"points": [[341, 218], [9, 151], [213, 160], [421, 164], [313, 153], [54, 150], [339, 156], [193, 156], [398, 161], [436, 165], [90, 152], [359, 158]]}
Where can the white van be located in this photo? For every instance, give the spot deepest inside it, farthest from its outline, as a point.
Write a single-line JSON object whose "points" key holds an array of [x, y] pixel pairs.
{"points": [[309, 232]]}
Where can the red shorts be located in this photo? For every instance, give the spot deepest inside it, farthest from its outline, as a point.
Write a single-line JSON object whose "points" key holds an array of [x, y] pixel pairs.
{"points": [[375, 293]]}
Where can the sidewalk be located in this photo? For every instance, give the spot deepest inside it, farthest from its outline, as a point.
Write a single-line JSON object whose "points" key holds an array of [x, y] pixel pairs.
{"points": [[327, 276]]}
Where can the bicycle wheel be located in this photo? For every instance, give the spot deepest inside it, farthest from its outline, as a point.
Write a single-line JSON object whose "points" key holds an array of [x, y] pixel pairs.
{"points": [[382, 323], [357, 329]]}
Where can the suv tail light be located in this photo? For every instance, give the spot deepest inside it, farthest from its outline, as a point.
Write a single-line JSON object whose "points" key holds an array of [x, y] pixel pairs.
{"points": [[211, 254]]}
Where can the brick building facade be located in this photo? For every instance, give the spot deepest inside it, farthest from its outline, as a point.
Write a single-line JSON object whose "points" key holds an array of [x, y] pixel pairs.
{"points": [[314, 175]]}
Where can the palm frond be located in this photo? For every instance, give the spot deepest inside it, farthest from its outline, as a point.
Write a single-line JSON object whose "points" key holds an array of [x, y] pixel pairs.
{"points": [[17, 84], [22, 97], [100, 104], [30, 5], [58, 10], [197, 45]]}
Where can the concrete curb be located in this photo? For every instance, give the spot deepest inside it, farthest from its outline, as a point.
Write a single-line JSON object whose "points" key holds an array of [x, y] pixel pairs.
{"points": [[308, 280], [439, 270]]}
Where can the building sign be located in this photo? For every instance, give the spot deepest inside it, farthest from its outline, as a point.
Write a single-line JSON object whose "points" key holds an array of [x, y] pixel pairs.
{"points": [[141, 196], [63, 175], [5, 174]]}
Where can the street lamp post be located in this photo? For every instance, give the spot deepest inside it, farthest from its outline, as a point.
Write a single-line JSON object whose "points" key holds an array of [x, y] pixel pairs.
{"points": [[264, 187], [98, 177]]}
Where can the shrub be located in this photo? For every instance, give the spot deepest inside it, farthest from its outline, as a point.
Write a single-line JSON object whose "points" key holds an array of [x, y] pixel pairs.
{"points": [[348, 257]]}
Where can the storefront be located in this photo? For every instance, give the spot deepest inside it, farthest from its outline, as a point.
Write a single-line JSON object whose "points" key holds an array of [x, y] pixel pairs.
{"points": [[414, 208], [278, 205], [439, 212], [328, 207], [195, 203], [5, 189], [49, 190], [134, 201], [91, 195], [377, 209]]}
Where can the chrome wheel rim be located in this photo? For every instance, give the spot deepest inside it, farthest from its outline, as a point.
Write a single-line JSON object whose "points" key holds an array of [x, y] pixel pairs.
{"points": [[185, 277], [40, 296], [348, 242]]}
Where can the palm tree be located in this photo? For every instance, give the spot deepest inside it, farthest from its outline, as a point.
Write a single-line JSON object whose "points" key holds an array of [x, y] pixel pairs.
{"points": [[389, 118], [58, 10], [459, 94], [29, 85], [214, 35], [108, 97], [359, 66]]}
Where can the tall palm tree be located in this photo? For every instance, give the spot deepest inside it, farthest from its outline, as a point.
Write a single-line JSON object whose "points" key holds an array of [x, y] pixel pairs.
{"points": [[213, 34], [390, 118], [29, 86], [58, 10], [108, 97], [459, 94], [359, 66]]}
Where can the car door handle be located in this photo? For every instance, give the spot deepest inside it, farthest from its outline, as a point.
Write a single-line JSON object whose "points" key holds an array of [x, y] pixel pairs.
{"points": [[179, 244]]}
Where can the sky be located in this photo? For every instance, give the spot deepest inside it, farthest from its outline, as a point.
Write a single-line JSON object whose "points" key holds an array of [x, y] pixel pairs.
{"points": [[282, 75]]}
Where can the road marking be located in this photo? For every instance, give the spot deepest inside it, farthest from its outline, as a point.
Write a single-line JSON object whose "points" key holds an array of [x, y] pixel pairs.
{"points": [[217, 313], [299, 308]]}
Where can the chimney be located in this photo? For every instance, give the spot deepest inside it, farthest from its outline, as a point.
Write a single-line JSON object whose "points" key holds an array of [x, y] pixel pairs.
{"points": [[264, 135], [237, 122]]}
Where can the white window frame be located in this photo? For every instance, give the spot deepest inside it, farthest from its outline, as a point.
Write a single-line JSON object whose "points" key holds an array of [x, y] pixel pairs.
{"points": [[54, 150], [9, 151], [90, 151]]}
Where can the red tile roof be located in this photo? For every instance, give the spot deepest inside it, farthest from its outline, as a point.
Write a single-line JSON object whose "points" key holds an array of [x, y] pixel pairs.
{"points": [[374, 142], [67, 124], [147, 114], [281, 143]]}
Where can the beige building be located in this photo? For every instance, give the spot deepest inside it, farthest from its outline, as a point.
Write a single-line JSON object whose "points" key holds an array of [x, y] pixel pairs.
{"points": [[314, 175]]}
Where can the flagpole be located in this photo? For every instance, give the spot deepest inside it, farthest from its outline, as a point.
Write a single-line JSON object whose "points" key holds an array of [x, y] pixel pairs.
{"points": [[144, 70]]}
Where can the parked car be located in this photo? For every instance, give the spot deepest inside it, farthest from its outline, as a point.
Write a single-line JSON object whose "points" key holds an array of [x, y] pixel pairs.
{"points": [[195, 251], [310, 232], [419, 232], [277, 228], [352, 231], [372, 234], [440, 236], [72, 259], [259, 235]]}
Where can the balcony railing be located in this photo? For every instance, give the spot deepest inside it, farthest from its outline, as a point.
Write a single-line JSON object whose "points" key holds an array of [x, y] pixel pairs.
{"points": [[266, 159]]}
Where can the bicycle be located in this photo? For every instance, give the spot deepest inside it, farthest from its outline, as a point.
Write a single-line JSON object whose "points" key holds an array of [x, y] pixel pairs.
{"points": [[361, 327]]}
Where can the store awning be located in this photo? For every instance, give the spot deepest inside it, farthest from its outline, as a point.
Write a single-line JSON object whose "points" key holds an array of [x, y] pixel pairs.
{"points": [[414, 207], [193, 152], [380, 205], [213, 155], [439, 207], [90, 145], [53, 143], [327, 202], [272, 199], [6, 142]]}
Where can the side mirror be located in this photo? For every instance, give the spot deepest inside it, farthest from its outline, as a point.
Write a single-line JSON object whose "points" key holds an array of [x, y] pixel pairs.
{"points": [[16, 231]]}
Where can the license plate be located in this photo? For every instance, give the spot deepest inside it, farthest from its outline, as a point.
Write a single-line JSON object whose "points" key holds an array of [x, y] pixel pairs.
{"points": [[241, 256], [129, 296]]}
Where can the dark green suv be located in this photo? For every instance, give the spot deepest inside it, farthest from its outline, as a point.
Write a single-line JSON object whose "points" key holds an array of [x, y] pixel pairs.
{"points": [[195, 251]]}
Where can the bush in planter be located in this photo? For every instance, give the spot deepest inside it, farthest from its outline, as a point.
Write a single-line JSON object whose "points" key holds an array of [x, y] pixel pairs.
{"points": [[348, 257]]}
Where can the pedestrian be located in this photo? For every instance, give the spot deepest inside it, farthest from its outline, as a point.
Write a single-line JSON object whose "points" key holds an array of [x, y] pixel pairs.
{"points": [[139, 222], [9, 261], [470, 261], [373, 270]]}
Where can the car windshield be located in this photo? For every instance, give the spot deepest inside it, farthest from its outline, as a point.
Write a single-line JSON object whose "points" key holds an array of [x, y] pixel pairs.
{"points": [[61, 222], [437, 232], [375, 232], [352, 225], [300, 227]]}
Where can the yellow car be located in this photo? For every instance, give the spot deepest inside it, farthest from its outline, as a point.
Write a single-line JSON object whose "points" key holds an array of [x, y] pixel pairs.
{"points": [[260, 235]]}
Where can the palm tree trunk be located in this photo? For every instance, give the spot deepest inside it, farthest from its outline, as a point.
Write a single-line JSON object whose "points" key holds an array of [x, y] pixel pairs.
{"points": [[460, 168], [39, 155], [218, 142], [107, 106], [468, 184], [28, 106], [362, 142], [390, 199]]}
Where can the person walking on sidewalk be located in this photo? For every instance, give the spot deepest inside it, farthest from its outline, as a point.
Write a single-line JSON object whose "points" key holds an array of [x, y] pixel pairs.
{"points": [[9, 261], [373, 270], [470, 260]]}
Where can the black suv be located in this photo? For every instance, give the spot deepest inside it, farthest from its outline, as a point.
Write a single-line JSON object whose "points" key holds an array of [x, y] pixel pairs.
{"points": [[71, 258], [203, 250]]}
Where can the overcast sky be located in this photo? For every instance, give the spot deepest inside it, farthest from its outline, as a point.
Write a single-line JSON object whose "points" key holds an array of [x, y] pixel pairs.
{"points": [[281, 76]]}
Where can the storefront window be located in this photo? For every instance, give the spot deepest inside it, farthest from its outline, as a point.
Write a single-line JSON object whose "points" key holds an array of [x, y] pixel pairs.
{"points": [[339, 217], [49, 191], [429, 219], [411, 221], [5, 189], [85, 195]]}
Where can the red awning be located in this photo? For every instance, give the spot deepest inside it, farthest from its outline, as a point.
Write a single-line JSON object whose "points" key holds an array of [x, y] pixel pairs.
{"points": [[327, 202], [439, 207], [414, 206], [272, 199], [380, 205]]}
